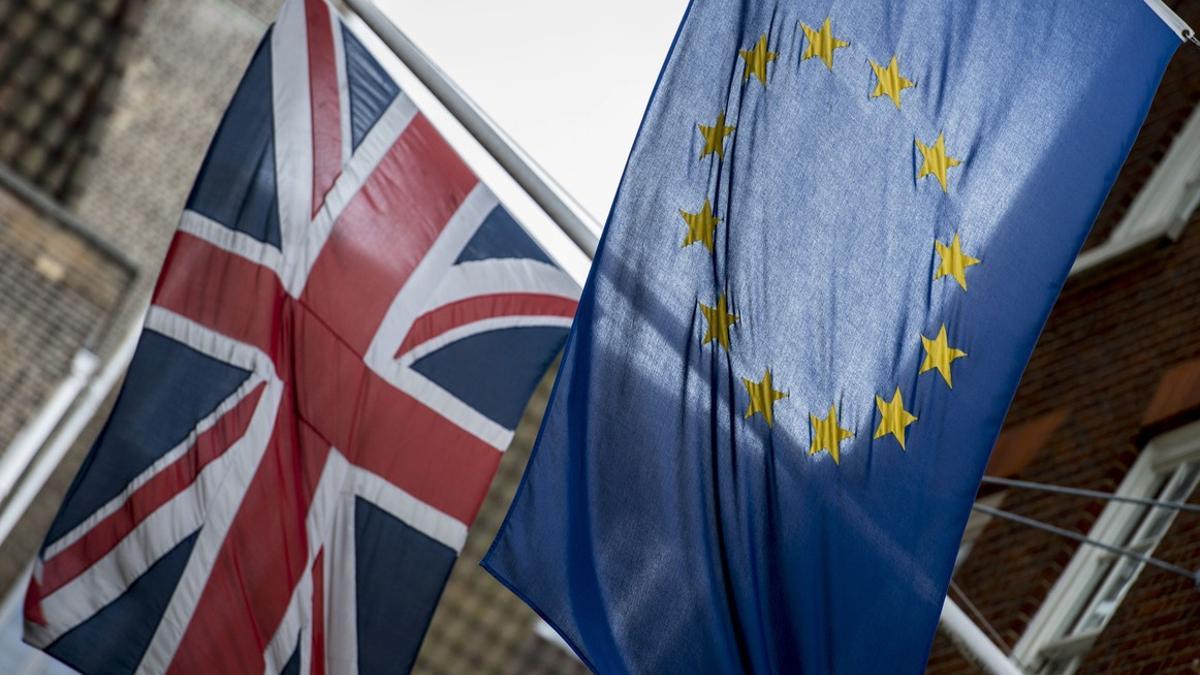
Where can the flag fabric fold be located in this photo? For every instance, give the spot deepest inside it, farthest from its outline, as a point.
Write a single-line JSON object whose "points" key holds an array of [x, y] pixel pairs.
{"points": [[345, 332], [840, 230]]}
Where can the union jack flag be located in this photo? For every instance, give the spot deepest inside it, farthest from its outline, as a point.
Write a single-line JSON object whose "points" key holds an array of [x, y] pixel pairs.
{"points": [[343, 338]]}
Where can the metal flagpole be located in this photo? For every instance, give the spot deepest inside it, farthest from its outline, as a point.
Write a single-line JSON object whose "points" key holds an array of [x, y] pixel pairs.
{"points": [[1173, 20], [1091, 494], [547, 194], [971, 638], [569, 216], [29, 440]]}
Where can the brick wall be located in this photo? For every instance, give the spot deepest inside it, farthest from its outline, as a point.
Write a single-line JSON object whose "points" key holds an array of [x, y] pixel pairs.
{"points": [[179, 71], [1112, 335], [1157, 629], [56, 292]]}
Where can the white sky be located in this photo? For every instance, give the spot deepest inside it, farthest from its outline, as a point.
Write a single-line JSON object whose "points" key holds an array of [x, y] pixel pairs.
{"points": [[567, 80]]}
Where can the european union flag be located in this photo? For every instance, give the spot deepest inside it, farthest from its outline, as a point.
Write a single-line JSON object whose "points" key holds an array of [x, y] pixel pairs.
{"points": [[839, 232]]}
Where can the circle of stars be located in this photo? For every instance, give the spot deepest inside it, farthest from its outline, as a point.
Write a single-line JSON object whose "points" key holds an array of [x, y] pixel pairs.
{"points": [[827, 434]]}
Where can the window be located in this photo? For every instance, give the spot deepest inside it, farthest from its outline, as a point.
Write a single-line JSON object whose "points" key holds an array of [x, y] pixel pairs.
{"points": [[1095, 582], [1163, 206]]}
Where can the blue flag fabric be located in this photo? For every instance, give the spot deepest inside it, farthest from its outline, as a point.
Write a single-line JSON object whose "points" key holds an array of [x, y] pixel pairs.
{"points": [[839, 233]]}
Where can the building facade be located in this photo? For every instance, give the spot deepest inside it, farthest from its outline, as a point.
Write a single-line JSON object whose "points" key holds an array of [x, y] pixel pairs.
{"points": [[106, 108], [58, 279]]}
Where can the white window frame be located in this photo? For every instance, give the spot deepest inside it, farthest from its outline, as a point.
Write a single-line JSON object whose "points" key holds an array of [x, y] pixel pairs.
{"points": [[1064, 604], [977, 522], [1163, 207]]}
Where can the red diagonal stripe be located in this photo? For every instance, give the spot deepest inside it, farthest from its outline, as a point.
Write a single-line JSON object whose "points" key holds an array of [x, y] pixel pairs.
{"points": [[318, 615], [262, 558], [33, 602], [329, 379], [418, 450], [326, 100], [384, 430], [160, 489], [469, 310], [385, 231], [222, 291]]}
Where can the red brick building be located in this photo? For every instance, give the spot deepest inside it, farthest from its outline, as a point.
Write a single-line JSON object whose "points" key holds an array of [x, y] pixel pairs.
{"points": [[1111, 402]]}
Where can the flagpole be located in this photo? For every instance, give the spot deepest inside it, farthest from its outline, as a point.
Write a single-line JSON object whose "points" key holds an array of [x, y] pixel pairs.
{"points": [[1174, 21], [572, 219], [548, 195], [968, 636]]}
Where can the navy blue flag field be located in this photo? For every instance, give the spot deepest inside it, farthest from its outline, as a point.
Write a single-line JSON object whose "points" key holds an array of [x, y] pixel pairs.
{"points": [[839, 233]]}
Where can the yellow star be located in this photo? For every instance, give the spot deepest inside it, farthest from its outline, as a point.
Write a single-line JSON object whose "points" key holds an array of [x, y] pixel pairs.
{"points": [[821, 43], [757, 58], [719, 322], [827, 435], [893, 417], [939, 354], [937, 162], [762, 397], [702, 226], [954, 261], [890, 81], [714, 137]]}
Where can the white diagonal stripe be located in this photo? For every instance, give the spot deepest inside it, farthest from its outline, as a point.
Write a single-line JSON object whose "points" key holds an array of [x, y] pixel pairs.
{"points": [[292, 110], [231, 240], [300, 253], [153, 470]]}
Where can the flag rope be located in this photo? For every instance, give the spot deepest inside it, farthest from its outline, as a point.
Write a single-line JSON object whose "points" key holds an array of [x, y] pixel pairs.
{"points": [[1062, 532], [1096, 494], [987, 625]]}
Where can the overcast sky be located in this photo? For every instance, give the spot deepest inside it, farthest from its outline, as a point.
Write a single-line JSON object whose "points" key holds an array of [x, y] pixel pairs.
{"points": [[568, 80]]}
